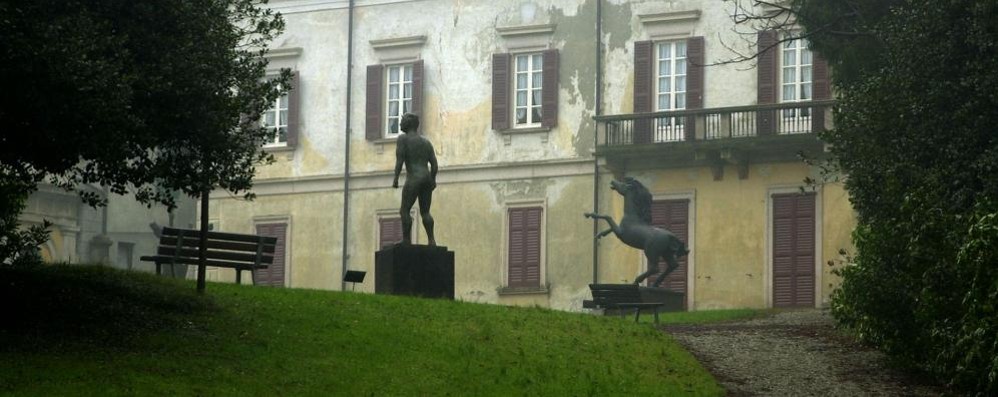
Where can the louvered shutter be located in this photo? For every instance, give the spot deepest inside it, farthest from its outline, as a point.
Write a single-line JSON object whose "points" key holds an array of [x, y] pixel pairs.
{"points": [[500, 92], [293, 109], [694, 81], [822, 89], [766, 66], [674, 216], [549, 90], [375, 88], [417, 89], [643, 66], [793, 250], [524, 251], [274, 274], [390, 231]]}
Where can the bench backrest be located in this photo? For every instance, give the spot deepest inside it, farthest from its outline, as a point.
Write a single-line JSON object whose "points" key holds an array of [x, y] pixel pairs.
{"points": [[614, 294], [223, 249]]}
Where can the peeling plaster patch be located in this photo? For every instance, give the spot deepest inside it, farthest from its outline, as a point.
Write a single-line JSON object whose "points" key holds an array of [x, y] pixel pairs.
{"points": [[504, 191]]}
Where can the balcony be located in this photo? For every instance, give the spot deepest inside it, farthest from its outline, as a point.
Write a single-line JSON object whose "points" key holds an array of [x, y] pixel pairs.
{"points": [[713, 137]]}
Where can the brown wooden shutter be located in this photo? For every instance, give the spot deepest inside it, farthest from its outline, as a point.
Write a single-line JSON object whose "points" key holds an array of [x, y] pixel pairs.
{"points": [[293, 109], [793, 250], [390, 231], [694, 81], [274, 274], [768, 89], [549, 103], [822, 89], [524, 255], [643, 86], [500, 92], [375, 88], [417, 89], [674, 216]]}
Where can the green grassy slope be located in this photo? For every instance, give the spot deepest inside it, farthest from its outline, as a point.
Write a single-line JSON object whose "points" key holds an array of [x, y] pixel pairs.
{"points": [[95, 331]]}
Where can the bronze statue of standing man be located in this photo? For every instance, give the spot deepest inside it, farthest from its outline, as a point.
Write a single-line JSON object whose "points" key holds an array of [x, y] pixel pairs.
{"points": [[415, 152]]}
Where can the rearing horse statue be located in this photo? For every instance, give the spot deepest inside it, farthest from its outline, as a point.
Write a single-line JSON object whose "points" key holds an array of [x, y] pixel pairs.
{"points": [[635, 230]]}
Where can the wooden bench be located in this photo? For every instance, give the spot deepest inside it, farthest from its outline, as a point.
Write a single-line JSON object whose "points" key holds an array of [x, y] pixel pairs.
{"points": [[229, 250], [621, 297]]}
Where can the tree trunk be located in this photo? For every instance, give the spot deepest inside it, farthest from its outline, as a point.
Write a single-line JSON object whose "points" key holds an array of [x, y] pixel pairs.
{"points": [[203, 243]]}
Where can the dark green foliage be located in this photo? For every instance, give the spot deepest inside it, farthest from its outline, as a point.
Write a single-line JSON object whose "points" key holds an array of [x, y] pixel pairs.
{"points": [[916, 138], [18, 247]]}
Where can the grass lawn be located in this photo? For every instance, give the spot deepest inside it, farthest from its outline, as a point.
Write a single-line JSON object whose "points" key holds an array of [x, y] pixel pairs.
{"points": [[84, 330]]}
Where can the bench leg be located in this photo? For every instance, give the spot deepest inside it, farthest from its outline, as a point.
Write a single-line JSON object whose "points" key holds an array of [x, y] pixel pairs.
{"points": [[239, 276], [252, 277], [157, 268], [656, 315], [637, 314]]}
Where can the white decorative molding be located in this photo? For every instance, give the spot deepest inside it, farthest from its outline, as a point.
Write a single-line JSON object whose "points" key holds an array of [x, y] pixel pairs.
{"points": [[302, 6], [527, 37], [398, 49], [288, 52], [282, 58], [670, 25]]}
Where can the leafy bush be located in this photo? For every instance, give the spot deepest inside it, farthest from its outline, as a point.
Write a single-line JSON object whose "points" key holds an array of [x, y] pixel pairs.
{"points": [[18, 246]]}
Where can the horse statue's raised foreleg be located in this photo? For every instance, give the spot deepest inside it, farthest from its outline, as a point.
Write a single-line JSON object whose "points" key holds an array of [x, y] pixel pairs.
{"points": [[613, 225]]}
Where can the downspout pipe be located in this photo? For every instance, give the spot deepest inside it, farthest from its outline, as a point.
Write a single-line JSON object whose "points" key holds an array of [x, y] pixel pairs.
{"points": [[599, 109], [346, 150]]}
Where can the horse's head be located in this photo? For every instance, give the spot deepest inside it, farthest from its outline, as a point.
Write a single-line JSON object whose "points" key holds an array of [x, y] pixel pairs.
{"points": [[637, 197]]}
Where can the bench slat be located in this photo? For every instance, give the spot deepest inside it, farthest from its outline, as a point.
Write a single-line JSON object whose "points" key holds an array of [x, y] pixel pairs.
{"points": [[245, 238], [194, 261], [192, 242], [212, 254]]}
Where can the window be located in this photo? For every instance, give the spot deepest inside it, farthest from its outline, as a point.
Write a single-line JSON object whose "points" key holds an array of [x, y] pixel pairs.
{"points": [[532, 79], [796, 85], [389, 231], [276, 120], [529, 82], [524, 247], [274, 275], [670, 72], [398, 96]]}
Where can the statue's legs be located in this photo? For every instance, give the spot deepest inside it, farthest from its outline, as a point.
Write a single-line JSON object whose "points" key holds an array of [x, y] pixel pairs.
{"points": [[425, 198], [670, 259], [408, 199], [652, 267]]}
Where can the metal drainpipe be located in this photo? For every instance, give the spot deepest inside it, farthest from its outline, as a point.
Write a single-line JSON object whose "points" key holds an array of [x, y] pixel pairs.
{"points": [[599, 101], [346, 155]]}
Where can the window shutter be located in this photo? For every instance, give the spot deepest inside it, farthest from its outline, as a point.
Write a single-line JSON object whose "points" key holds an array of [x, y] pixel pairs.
{"points": [[766, 66], [524, 259], [500, 92], [643, 65], [375, 81], [532, 263], [293, 109], [694, 81], [391, 231], [274, 274], [549, 101], [417, 88], [822, 89]]}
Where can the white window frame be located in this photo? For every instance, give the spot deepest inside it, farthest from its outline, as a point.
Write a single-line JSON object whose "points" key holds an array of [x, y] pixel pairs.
{"points": [[670, 129], [792, 80], [279, 122], [504, 254], [404, 103], [530, 89]]}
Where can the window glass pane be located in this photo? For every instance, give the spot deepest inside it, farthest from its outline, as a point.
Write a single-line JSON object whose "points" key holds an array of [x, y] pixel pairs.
{"points": [[668, 102], [268, 118], [537, 114], [521, 98], [393, 126], [663, 84], [790, 44], [393, 92], [407, 90], [536, 98], [408, 73], [680, 50], [805, 74], [521, 116], [805, 57], [805, 91], [538, 62], [663, 102], [788, 92], [284, 118], [664, 51], [665, 68], [406, 106], [282, 134], [789, 75], [393, 109], [681, 66], [284, 101], [789, 58], [393, 74], [681, 83], [521, 81], [537, 77], [681, 101], [521, 63]]}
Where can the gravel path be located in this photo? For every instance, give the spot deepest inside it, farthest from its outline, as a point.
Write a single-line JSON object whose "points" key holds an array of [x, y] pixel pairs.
{"points": [[794, 353]]}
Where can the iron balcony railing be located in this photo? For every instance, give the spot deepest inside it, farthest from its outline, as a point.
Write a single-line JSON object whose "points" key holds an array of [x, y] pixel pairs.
{"points": [[717, 123]]}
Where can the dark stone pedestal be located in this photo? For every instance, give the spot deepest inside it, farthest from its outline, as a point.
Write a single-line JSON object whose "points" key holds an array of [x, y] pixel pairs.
{"points": [[673, 300], [414, 270]]}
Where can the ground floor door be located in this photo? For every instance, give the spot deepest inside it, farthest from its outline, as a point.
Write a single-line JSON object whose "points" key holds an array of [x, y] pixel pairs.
{"points": [[674, 216], [793, 250], [274, 274]]}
